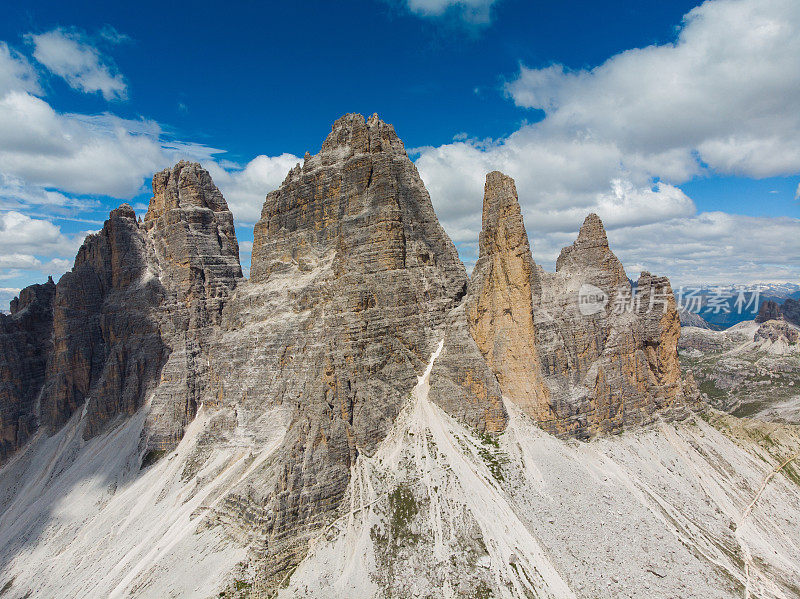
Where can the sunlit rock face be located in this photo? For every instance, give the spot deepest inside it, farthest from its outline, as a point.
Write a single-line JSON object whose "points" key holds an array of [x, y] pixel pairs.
{"points": [[576, 349], [350, 249]]}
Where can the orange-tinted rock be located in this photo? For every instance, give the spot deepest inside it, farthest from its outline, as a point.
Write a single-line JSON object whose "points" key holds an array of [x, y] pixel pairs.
{"points": [[576, 349], [500, 305]]}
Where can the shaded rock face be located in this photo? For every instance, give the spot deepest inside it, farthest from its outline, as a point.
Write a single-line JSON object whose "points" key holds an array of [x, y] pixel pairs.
{"points": [[772, 310], [583, 355], [107, 349], [353, 284], [25, 343], [769, 310], [775, 330], [131, 318]]}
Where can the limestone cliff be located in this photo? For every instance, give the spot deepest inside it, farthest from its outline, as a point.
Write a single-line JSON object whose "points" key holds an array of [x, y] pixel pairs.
{"points": [[772, 310], [301, 372], [140, 298], [576, 349], [25, 343], [353, 284], [500, 304], [194, 253]]}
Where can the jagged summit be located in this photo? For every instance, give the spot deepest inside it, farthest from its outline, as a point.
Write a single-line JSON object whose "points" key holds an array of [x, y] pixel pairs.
{"points": [[591, 251], [500, 298], [185, 185], [361, 136], [361, 198], [570, 348]]}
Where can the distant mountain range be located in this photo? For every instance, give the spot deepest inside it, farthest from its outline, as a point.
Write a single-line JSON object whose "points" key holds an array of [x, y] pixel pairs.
{"points": [[716, 307]]}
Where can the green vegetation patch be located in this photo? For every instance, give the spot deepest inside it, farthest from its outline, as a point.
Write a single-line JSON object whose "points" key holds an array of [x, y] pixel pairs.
{"points": [[710, 388], [403, 507], [152, 456]]}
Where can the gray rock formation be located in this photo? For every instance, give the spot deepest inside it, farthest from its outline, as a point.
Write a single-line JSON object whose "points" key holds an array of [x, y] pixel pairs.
{"points": [[772, 310], [107, 349], [194, 253], [25, 343], [139, 299], [354, 284], [365, 282]]}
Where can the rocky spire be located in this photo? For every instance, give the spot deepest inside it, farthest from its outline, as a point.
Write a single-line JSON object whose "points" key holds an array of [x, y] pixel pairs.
{"points": [[194, 238], [578, 369], [360, 200], [590, 251], [500, 299], [107, 347], [350, 249]]}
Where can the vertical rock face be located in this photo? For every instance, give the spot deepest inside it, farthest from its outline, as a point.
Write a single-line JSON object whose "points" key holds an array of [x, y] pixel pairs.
{"points": [[132, 317], [25, 343], [107, 348], [575, 348], [769, 310], [354, 284], [361, 200], [194, 240], [772, 310], [364, 283], [193, 248], [500, 304]]}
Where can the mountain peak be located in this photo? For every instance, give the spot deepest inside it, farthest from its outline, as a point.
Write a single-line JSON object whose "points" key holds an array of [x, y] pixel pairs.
{"points": [[184, 185], [362, 136]]}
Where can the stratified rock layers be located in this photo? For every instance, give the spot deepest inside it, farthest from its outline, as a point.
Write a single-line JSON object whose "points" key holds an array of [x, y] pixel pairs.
{"points": [[25, 342], [500, 304], [194, 251], [140, 298], [576, 371], [362, 283], [354, 284]]}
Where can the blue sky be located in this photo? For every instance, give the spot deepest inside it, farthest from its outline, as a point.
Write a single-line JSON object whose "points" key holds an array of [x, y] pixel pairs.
{"points": [[677, 123]]}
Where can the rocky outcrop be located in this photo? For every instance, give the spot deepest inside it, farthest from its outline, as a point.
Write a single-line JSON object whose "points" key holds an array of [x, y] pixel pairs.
{"points": [[769, 310], [130, 318], [353, 284], [25, 343], [692, 319], [772, 310], [306, 366], [577, 349], [193, 249], [500, 304], [107, 348], [777, 330]]}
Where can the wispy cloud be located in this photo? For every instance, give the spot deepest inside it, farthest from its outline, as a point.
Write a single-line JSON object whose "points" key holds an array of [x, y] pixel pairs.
{"points": [[475, 12], [70, 55]]}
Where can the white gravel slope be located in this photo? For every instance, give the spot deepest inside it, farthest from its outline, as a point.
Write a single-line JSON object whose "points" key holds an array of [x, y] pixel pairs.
{"points": [[78, 519], [661, 512]]}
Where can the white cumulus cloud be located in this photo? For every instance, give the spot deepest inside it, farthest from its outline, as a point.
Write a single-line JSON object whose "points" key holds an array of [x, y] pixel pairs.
{"points": [[245, 188], [619, 138]]}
